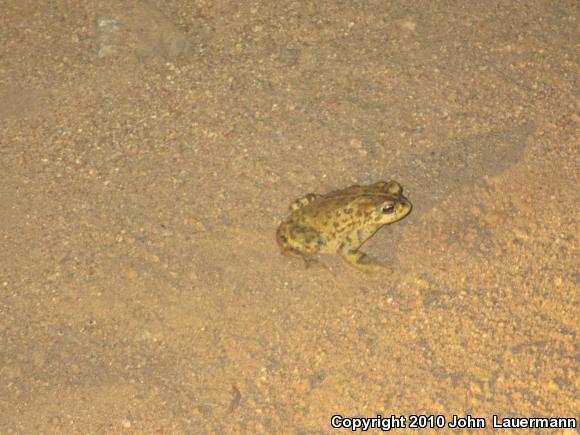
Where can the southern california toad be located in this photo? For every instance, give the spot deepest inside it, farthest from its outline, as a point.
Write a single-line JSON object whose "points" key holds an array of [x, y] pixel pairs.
{"points": [[341, 221]]}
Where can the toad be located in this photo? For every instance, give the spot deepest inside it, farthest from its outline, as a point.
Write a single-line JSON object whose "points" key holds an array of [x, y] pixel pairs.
{"points": [[340, 222]]}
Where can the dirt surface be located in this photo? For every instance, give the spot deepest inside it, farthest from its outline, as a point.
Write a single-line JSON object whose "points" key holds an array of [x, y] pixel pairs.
{"points": [[148, 152]]}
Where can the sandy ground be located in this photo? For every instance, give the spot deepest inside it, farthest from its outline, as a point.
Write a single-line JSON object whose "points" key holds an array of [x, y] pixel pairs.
{"points": [[148, 152]]}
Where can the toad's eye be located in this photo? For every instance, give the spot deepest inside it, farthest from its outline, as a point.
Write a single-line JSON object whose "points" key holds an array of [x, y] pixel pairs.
{"points": [[388, 209]]}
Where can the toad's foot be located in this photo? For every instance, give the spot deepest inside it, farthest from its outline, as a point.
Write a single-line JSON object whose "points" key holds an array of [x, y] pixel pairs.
{"points": [[312, 261], [361, 261], [309, 261]]}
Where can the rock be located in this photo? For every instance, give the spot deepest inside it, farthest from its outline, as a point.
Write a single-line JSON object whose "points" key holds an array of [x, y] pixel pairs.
{"points": [[142, 31]]}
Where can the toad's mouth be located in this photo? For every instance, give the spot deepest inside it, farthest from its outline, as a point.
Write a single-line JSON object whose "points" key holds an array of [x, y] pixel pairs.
{"points": [[405, 207]]}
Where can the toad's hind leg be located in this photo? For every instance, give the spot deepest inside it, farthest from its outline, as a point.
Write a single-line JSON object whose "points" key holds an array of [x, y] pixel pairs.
{"points": [[299, 242], [360, 260]]}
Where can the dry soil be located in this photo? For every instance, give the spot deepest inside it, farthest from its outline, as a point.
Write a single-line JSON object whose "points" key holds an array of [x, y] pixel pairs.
{"points": [[148, 151]]}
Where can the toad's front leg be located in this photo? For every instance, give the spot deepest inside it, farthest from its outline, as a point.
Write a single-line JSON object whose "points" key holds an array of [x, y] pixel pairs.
{"points": [[360, 260]]}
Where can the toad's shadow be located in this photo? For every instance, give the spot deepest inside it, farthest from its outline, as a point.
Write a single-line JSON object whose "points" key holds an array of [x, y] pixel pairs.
{"points": [[430, 177]]}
